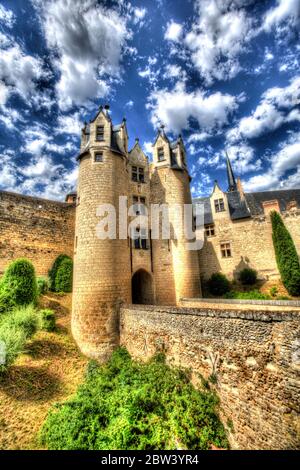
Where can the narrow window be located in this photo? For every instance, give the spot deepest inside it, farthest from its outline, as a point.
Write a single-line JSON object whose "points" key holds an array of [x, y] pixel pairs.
{"points": [[135, 201], [134, 173], [160, 154], [99, 157], [100, 133], [210, 230], [219, 205], [143, 239], [141, 175], [225, 250], [173, 159]]}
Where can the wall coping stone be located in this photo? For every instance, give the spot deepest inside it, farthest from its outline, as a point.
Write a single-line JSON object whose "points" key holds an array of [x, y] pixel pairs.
{"points": [[276, 303], [252, 315]]}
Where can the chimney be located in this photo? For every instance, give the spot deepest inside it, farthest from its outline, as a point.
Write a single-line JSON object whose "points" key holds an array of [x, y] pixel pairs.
{"points": [[270, 206]]}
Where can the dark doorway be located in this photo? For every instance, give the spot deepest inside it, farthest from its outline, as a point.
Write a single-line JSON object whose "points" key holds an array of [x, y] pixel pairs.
{"points": [[142, 288]]}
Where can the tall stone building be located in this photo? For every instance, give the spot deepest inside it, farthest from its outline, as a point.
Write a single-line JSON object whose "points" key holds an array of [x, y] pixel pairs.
{"points": [[108, 271]]}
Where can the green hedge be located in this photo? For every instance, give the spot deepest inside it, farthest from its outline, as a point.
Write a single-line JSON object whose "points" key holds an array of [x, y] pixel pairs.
{"points": [[18, 285], [64, 276], [248, 276], [127, 405], [47, 320], [56, 283], [42, 285], [286, 255], [218, 284]]}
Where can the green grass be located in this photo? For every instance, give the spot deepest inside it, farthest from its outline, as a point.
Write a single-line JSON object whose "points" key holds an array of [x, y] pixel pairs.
{"points": [[250, 295], [127, 405]]}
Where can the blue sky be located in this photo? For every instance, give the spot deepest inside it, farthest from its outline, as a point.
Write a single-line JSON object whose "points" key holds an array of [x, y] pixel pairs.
{"points": [[225, 74]]}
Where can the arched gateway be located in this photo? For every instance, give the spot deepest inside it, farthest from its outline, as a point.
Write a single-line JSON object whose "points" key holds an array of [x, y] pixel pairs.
{"points": [[142, 288]]}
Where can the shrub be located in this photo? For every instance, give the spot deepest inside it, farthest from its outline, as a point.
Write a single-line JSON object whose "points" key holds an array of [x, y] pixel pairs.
{"points": [[286, 255], [273, 291], [12, 340], [218, 284], [248, 276], [251, 295], [42, 285], [18, 286], [24, 318], [47, 320], [64, 276], [125, 405], [7, 301], [54, 269]]}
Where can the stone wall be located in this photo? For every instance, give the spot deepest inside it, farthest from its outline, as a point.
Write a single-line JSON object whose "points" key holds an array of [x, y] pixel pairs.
{"points": [[254, 356], [34, 228]]}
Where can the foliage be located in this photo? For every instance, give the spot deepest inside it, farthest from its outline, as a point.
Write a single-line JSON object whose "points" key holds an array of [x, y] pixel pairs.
{"points": [[18, 285], [286, 255], [15, 328], [47, 320], [274, 291], [218, 284], [248, 276], [127, 405], [53, 271], [64, 276], [42, 285], [250, 295]]}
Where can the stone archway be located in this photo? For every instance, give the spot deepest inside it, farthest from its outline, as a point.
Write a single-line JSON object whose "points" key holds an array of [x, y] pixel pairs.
{"points": [[142, 288]]}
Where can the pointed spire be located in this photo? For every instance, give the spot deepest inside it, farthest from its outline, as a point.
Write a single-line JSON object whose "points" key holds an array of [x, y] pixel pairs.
{"points": [[232, 186]]}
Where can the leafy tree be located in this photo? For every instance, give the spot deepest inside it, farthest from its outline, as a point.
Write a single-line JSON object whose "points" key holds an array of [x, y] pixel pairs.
{"points": [[286, 255], [64, 276], [53, 271], [18, 285]]}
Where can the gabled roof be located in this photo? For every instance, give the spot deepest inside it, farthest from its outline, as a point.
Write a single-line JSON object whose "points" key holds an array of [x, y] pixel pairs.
{"points": [[100, 110], [237, 206], [283, 196]]}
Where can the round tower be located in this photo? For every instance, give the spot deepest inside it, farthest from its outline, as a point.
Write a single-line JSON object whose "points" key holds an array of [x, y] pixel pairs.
{"points": [[171, 185], [101, 266]]}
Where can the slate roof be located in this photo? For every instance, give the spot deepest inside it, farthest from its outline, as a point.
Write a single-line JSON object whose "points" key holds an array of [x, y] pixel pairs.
{"points": [[283, 196], [240, 209]]}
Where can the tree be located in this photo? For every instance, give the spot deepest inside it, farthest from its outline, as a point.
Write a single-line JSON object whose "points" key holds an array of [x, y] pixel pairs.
{"points": [[286, 255]]}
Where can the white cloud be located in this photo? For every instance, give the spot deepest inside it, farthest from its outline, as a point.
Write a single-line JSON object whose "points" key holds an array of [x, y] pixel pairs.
{"points": [[173, 31], [174, 71], [8, 170], [287, 11], [218, 37], [129, 104], [148, 148], [71, 124], [7, 17], [287, 159], [175, 108], [242, 158], [88, 40], [139, 15], [275, 109]]}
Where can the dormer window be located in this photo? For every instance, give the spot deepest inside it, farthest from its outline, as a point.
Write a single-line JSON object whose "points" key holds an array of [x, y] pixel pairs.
{"points": [[219, 205], [98, 157], [160, 154], [173, 159], [138, 174], [100, 133]]}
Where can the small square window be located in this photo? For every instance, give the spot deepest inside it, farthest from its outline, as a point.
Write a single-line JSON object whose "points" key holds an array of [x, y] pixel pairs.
{"points": [[100, 133], [210, 230], [219, 205], [226, 250], [160, 154], [98, 157]]}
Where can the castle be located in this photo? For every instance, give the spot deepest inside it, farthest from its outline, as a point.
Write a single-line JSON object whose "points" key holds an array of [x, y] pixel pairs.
{"points": [[141, 270]]}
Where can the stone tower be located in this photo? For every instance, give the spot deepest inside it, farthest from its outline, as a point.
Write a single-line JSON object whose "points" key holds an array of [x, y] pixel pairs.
{"points": [[102, 277], [176, 268]]}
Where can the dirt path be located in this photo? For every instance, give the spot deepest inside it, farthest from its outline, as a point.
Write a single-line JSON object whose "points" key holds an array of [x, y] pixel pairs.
{"points": [[49, 372]]}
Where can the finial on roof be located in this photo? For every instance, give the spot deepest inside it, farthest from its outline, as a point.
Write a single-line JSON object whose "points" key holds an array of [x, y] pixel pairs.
{"points": [[106, 107], [124, 119], [232, 186], [137, 139]]}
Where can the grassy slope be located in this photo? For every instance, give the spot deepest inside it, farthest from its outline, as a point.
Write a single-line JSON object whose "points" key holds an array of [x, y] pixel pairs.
{"points": [[49, 371]]}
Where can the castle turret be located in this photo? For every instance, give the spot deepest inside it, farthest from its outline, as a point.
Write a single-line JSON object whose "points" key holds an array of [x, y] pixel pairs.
{"points": [[101, 266], [176, 267]]}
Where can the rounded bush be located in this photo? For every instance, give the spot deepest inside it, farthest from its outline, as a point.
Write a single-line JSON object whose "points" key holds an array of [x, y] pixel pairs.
{"points": [[53, 271], [64, 276], [47, 319], [218, 284], [248, 276], [19, 284]]}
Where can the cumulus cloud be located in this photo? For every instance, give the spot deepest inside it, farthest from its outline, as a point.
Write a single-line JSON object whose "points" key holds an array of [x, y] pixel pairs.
{"points": [[139, 15], [284, 169], [173, 31], [218, 36], [87, 41], [173, 71], [175, 108], [287, 11], [278, 106]]}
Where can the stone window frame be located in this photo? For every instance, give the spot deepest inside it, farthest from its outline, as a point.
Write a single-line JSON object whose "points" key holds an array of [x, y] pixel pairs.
{"points": [[226, 249], [161, 154], [101, 133], [98, 153], [138, 174], [139, 201], [210, 230], [219, 205], [140, 242]]}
